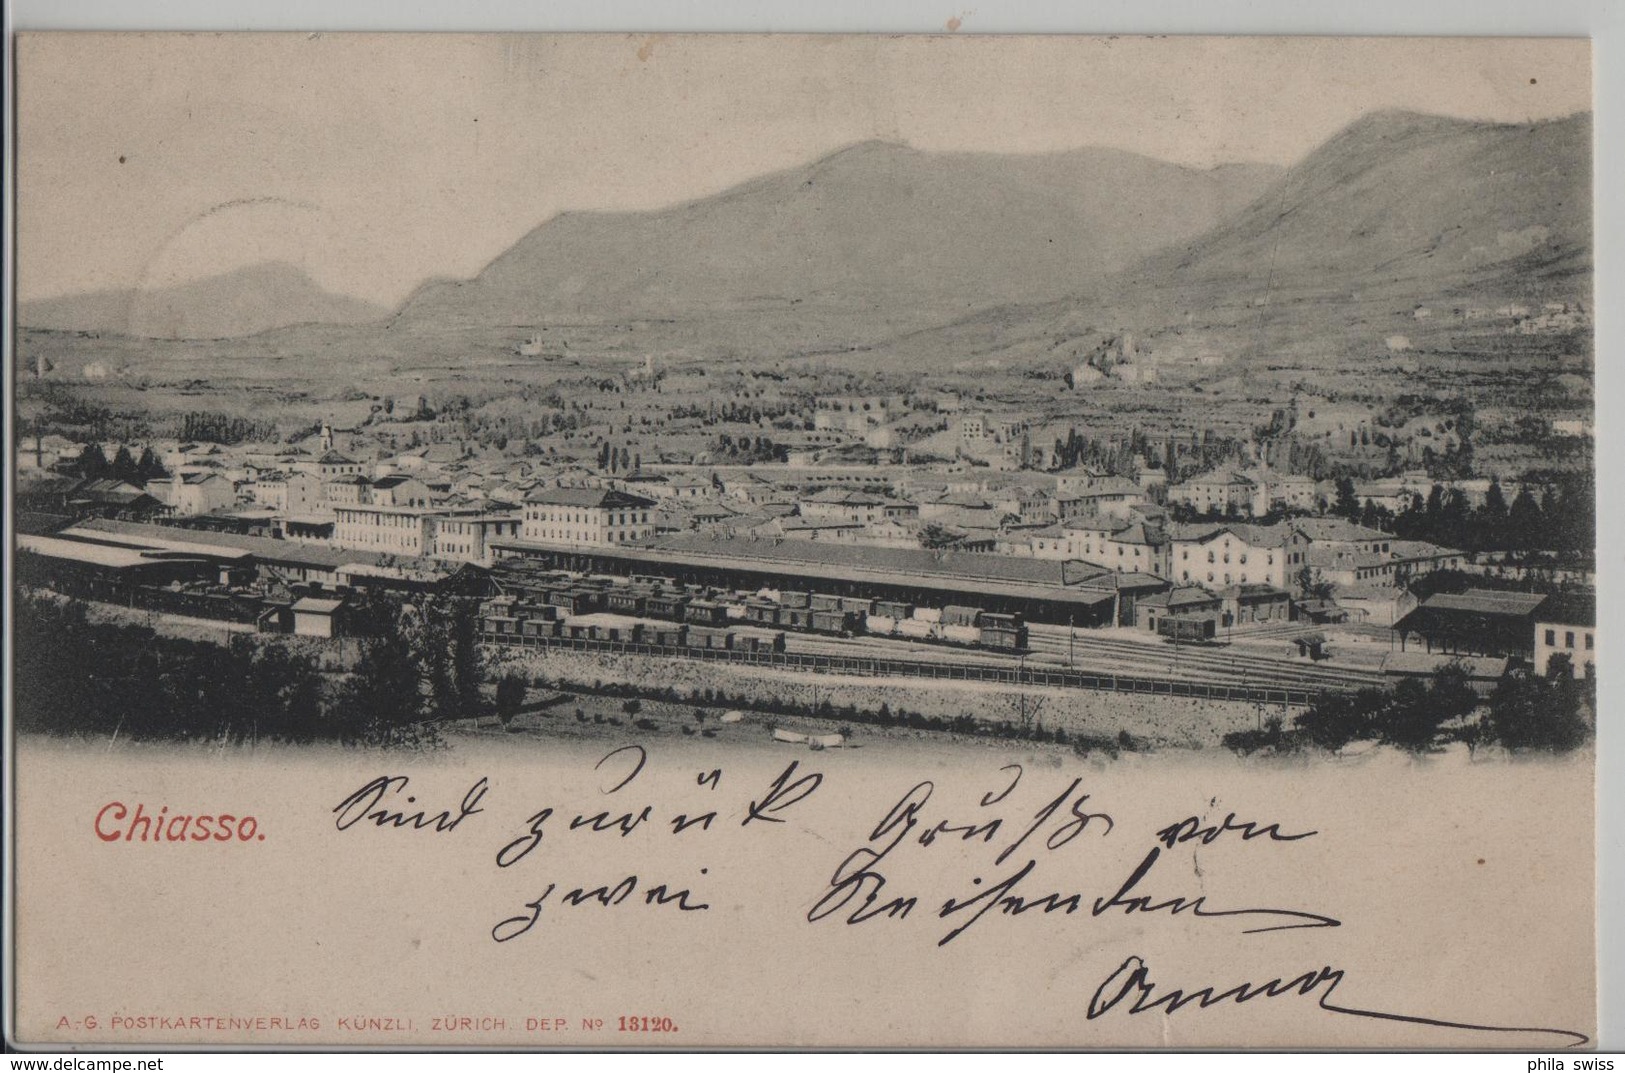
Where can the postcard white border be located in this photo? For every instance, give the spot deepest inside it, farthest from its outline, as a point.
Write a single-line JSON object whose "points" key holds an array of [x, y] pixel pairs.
{"points": [[1597, 19]]}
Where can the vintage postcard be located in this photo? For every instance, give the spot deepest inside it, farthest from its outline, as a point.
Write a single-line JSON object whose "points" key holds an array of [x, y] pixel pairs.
{"points": [[680, 541]]}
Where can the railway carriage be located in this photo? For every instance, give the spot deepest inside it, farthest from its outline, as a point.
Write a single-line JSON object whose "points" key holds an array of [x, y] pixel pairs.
{"points": [[626, 601], [754, 640], [710, 637], [762, 613], [1183, 630], [670, 635], [705, 613], [795, 618], [836, 622], [540, 627], [1004, 632], [666, 605]]}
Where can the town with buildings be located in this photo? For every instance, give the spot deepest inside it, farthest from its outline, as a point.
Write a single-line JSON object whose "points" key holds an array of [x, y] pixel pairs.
{"points": [[921, 534], [1238, 494]]}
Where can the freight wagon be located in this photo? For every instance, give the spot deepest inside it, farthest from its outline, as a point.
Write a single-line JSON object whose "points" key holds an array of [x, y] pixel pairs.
{"points": [[710, 637], [837, 623], [747, 639], [705, 613], [968, 627], [1005, 632], [1186, 630]]}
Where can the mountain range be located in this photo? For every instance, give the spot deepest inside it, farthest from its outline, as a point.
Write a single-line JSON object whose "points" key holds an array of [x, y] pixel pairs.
{"points": [[884, 249], [878, 232], [1406, 199], [244, 301], [1396, 211]]}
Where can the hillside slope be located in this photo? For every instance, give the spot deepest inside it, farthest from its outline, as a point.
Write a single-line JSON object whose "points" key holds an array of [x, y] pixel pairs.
{"points": [[245, 301], [879, 236]]}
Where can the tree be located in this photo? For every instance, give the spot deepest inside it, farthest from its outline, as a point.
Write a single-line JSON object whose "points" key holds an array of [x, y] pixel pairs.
{"points": [[1450, 691], [382, 703], [1338, 718], [93, 461], [1525, 522], [1313, 584], [510, 696], [148, 468], [1348, 504], [1369, 516], [1413, 717], [1455, 526], [123, 467], [1408, 719], [442, 634], [1495, 503], [281, 695], [1527, 712]]}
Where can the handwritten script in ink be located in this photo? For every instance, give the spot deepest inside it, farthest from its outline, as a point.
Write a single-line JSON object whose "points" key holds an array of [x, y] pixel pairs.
{"points": [[1023, 834]]}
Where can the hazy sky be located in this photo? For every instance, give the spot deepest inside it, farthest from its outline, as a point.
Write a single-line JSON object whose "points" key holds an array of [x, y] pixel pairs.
{"points": [[375, 162]]}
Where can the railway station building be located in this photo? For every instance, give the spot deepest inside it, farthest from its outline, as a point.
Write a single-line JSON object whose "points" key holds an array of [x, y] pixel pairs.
{"points": [[1041, 591]]}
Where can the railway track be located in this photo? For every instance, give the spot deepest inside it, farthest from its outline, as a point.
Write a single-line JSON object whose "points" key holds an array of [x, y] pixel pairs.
{"points": [[846, 657], [1192, 662], [1184, 662]]}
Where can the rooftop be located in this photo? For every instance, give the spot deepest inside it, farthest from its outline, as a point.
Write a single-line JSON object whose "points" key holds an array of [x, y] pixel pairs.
{"points": [[394, 480], [118, 558], [1337, 529], [216, 545], [1570, 609], [1486, 602], [1186, 596], [587, 497], [811, 559]]}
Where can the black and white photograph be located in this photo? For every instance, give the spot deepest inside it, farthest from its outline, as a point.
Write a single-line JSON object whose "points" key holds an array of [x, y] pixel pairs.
{"points": [[602, 541]]}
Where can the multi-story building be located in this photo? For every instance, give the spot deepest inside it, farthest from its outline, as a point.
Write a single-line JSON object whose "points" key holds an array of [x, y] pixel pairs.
{"points": [[289, 492], [350, 489], [399, 490], [858, 507], [1134, 547], [1223, 490], [1231, 554], [1087, 536], [1137, 548], [1413, 558], [1117, 496], [389, 530], [1340, 533], [466, 535], [1290, 490], [1032, 505], [193, 494], [1567, 625], [586, 516], [334, 464]]}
